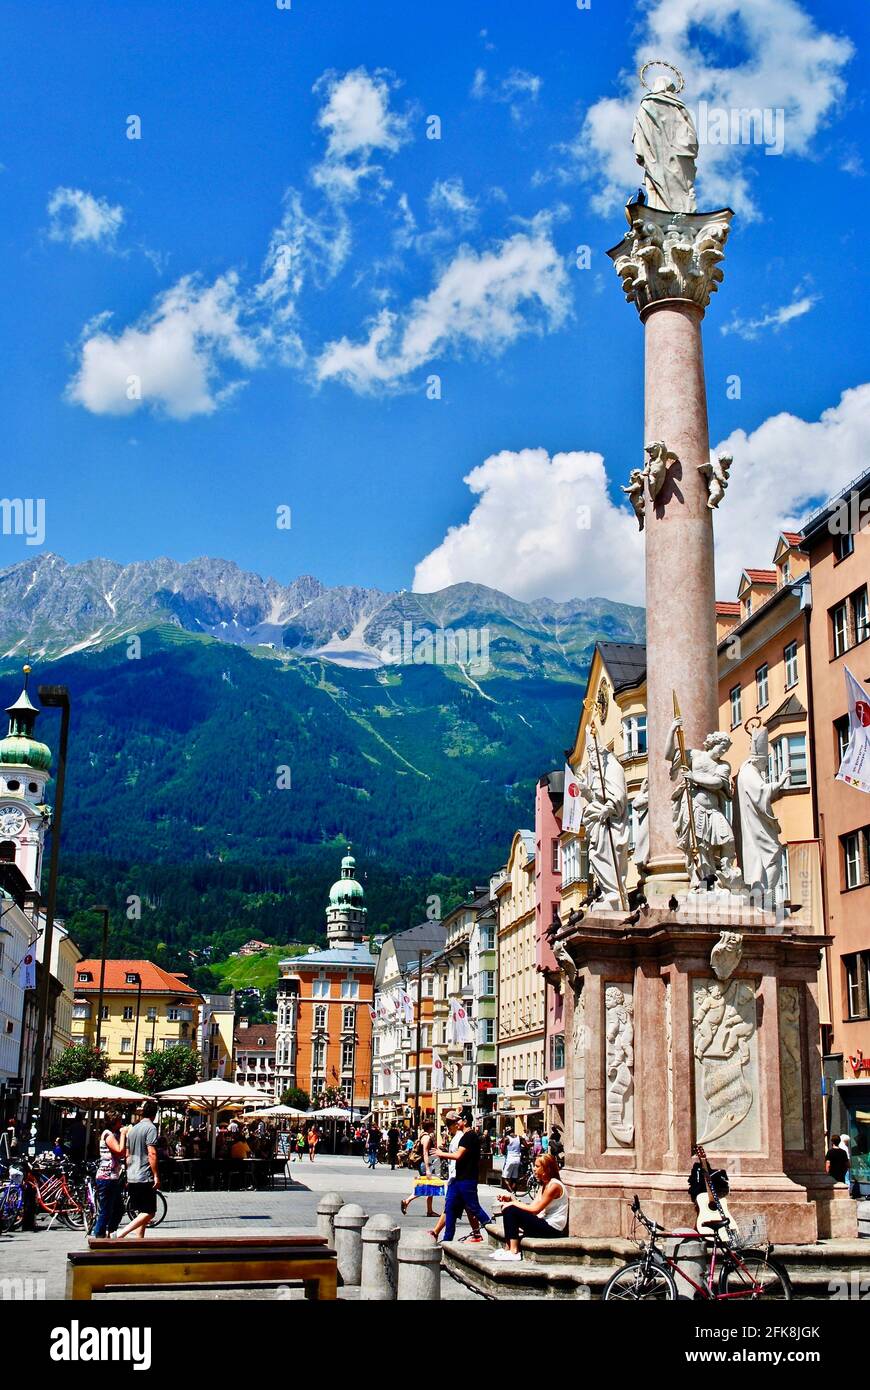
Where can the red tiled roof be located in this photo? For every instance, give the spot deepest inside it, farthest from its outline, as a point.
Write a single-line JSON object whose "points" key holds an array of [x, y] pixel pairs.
{"points": [[761, 576], [154, 979], [726, 609], [793, 537], [246, 1038]]}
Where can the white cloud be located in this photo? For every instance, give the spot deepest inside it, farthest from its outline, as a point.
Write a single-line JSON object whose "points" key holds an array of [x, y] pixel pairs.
{"points": [[449, 196], [781, 471], [357, 119], [801, 303], [79, 217], [484, 300], [173, 360], [786, 63], [518, 90], [524, 533]]}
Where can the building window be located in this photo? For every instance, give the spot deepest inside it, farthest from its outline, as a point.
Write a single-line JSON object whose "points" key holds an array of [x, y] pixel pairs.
{"points": [[349, 1016], [791, 752], [319, 1055], [104, 1013], [634, 735], [857, 994], [320, 989], [149, 1045], [841, 736], [85, 977], [853, 868], [127, 1013], [785, 570], [844, 544], [427, 987], [790, 657], [554, 856], [761, 686], [487, 982], [734, 697], [487, 1030], [79, 1010], [861, 620], [131, 978], [347, 1056], [320, 1017], [126, 1045], [487, 938], [350, 989], [151, 1016], [840, 628], [557, 1051]]}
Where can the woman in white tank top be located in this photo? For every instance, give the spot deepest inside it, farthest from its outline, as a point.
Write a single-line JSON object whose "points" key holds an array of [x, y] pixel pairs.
{"points": [[546, 1217]]}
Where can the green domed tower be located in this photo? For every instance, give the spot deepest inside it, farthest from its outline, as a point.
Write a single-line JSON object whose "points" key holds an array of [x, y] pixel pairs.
{"points": [[346, 913], [24, 771]]}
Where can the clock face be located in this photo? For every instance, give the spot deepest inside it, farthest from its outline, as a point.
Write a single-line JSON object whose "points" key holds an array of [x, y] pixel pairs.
{"points": [[11, 820]]}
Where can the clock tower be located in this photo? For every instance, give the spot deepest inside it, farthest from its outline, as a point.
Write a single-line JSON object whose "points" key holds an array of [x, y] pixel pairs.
{"points": [[24, 772], [346, 913]]}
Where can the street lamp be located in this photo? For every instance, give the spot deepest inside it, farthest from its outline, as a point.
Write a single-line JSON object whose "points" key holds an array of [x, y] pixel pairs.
{"points": [[137, 981], [105, 915], [52, 697]]}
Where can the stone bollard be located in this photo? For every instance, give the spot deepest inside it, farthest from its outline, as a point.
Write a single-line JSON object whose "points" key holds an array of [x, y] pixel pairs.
{"points": [[329, 1204], [380, 1236], [694, 1259], [419, 1269], [348, 1224]]}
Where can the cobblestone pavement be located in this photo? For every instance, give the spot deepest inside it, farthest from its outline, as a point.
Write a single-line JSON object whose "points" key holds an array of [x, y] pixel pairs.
{"points": [[40, 1256]]}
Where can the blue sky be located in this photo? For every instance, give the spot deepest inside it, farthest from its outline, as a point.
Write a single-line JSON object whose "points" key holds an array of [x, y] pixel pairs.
{"points": [[284, 260]]}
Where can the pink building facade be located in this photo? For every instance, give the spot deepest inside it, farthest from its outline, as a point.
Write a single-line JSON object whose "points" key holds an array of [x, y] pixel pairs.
{"points": [[548, 879]]}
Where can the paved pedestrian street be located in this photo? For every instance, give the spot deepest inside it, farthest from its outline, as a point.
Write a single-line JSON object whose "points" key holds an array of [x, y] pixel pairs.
{"points": [[33, 1264]]}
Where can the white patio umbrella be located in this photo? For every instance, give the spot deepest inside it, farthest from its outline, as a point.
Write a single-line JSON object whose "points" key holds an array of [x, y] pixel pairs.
{"points": [[273, 1112], [90, 1095], [213, 1096]]}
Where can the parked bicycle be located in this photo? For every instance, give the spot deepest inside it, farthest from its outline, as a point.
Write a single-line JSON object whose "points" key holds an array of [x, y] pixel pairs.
{"points": [[732, 1270]]}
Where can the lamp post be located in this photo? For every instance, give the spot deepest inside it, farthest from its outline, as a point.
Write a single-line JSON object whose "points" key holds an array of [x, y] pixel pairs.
{"points": [[104, 911], [138, 982], [52, 697], [420, 955]]}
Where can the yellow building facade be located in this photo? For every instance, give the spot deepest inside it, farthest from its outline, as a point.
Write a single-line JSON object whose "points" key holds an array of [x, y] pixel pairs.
{"points": [[520, 1030], [145, 1009]]}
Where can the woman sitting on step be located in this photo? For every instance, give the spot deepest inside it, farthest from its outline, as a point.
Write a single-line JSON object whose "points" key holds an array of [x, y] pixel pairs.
{"points": [[545, 1218]]}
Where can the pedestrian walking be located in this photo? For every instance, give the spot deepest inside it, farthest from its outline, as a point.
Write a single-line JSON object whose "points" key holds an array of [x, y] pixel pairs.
{"points": [[143, 1174], [464, 1155], [393, 1146], [513, 1160], [373, 1144], [313, 1141], [108, 1178], [422, 1157], [300, 1145]]}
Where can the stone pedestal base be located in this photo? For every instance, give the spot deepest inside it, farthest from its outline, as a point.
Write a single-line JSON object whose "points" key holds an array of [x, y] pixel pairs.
{"points": [[669, 1049]]}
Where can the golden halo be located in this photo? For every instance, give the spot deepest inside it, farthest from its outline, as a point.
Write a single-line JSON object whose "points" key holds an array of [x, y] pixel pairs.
{"points": [[661, 63]]}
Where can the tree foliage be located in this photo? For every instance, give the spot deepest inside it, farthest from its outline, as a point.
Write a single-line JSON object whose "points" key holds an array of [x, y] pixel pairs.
{"points": [[176, 1066], [80, 1062], [296, 1097]]}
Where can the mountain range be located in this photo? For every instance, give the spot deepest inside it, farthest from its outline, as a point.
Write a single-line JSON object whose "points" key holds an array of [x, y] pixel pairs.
{"points": [[49, 608], [230, 734]]}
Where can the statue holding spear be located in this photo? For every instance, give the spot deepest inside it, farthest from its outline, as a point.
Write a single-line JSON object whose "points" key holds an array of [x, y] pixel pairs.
{"points": [[605, 816]]}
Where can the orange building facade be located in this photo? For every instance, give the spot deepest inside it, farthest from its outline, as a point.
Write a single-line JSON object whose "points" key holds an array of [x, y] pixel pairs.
{"points": [[323, 1036]]}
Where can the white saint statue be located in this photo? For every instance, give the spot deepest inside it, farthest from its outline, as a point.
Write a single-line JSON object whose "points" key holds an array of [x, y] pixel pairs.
{"points": [[666, 144], [641, 811], [761, 851], [710, 852], [605, 821]]}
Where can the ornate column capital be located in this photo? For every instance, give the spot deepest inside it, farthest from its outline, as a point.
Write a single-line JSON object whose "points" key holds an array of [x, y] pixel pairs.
{"points": [[671, 255]]}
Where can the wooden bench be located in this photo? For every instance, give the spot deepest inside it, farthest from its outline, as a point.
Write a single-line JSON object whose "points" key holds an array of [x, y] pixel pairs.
{"points": [[305, 1260]]}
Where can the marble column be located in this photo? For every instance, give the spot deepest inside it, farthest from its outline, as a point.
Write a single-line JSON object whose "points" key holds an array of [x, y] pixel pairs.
{"points": [[669, 267]]}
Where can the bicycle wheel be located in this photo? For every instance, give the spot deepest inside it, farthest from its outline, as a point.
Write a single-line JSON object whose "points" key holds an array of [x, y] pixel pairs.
{"points": [[11, 1209], [635, 1284], [753, 1274], [160, 1214]]}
